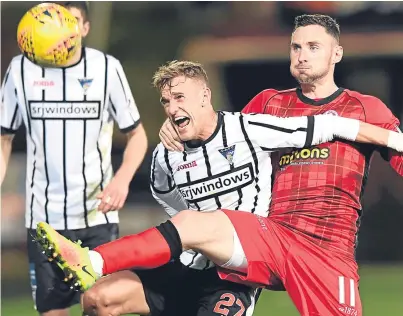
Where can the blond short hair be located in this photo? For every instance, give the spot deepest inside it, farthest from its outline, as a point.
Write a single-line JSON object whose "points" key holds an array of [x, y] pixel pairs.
{"points": [[166, 73]]}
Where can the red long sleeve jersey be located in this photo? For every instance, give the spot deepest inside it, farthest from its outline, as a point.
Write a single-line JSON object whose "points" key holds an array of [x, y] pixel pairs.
{"points": [[317, 191]]}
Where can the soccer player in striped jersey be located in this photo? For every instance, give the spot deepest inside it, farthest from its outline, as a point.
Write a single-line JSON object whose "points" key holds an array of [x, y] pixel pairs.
{"points": [[69, 115], [226, 165]]}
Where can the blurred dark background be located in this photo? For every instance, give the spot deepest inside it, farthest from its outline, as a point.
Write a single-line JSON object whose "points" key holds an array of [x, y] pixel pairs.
{"points": [[244, 47]]}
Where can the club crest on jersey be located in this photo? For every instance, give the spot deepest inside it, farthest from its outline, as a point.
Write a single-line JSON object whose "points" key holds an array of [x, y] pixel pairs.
{"points": [[85, 84], [331, 112], [228, 153]]}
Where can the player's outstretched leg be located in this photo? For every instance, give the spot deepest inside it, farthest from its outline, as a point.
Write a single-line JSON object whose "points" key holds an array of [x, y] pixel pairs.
{"points": [[210, 233]]}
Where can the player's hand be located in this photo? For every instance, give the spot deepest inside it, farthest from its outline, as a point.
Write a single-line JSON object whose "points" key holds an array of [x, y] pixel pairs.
{"points": [[169, 137], [113, 197]]}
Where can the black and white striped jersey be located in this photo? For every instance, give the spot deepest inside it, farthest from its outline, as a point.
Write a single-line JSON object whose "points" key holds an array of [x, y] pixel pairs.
{"points": [[69, 115], [232, 169]]}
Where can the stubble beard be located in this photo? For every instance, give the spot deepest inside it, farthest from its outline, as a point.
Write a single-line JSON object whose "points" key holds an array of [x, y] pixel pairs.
{"points": [[311, 79]]}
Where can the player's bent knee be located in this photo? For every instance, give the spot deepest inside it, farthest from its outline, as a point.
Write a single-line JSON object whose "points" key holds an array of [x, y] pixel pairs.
{"points": [[96, 301], [122, 290], [93, 300]]}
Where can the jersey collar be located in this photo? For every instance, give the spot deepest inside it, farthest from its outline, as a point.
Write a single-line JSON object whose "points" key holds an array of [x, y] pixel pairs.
{"points": [[193, 144], [323, 101], [79, 61]]}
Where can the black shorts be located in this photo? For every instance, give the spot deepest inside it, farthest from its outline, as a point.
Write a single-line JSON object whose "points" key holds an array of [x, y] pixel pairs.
{"points": [[48, 289], [174, 289]]}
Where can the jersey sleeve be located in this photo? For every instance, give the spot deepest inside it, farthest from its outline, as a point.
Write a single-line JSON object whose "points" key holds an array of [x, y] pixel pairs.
{"points": [[163, 187], [377, 113], [272, 133], [10, 115], [258, 103], [121, 102]]}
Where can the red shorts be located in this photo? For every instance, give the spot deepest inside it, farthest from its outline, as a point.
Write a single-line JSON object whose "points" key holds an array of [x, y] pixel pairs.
{"points": [[319, 281]]}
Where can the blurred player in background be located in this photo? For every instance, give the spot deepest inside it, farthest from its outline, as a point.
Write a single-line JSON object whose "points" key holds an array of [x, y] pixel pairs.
{"points": [[317, 191], [70, 182], [79, 9], [221, 168]]}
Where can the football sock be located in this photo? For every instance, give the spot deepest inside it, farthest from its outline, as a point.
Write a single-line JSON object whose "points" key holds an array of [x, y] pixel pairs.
{"points": [[149, 249], [97, 262]]}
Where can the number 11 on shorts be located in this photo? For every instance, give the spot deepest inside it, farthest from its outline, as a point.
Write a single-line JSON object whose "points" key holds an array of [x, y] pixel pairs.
{"points": [[347, 296], [342, 291]]}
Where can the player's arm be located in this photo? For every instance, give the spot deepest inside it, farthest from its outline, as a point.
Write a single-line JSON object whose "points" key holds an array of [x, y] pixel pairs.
{"points": [[126, 114], [379, 114], [163, 187], [272, 132], [10, 120], [124, 110], [328, 126], [6, 145], [134, 153]]}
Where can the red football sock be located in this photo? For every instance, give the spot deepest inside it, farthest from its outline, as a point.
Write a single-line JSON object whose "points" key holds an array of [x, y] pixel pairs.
{"points": [[148, 250]]}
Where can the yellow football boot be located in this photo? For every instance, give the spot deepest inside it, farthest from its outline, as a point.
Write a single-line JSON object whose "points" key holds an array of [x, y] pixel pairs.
{"points": [[73, 259]]}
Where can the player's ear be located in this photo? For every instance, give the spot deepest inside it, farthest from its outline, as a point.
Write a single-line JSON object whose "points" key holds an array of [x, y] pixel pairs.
{"points": [[207, 94], [337, 54], [86, 28]]}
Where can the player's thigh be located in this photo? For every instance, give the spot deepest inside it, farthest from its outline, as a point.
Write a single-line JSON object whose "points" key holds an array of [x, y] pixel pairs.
{"points": [[263, 245], [154, 291], [48, 289], [320, 282], [122, 291], [214, 240]]}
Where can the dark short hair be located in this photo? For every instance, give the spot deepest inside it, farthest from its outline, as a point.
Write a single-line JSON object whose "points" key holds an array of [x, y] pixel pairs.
{"points": [[80, 5], [330, 24]]}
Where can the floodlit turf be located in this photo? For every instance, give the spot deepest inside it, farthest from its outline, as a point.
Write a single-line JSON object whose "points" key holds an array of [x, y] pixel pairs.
{"points": [[381, 290]]}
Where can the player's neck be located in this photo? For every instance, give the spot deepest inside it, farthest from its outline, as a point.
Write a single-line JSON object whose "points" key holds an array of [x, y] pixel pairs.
{"points": [[319, 90], [209, 126], [76, 58]]}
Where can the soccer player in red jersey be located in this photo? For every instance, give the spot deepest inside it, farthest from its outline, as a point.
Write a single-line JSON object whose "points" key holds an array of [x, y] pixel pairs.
{"points": [[317, 191], [307, 242]]}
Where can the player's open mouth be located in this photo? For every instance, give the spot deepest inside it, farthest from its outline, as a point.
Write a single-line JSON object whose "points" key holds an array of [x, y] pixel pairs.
{"points": [[181, 121]]}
